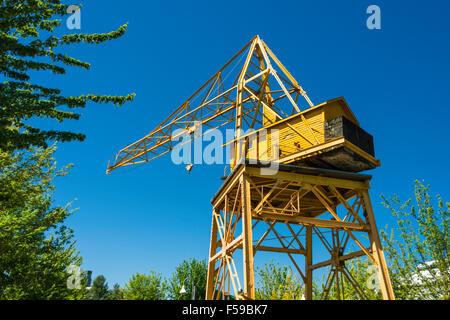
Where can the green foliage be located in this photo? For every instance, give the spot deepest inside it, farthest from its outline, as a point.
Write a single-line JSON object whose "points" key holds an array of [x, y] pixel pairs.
{"points": [[145, 287], [361, 272], [278, 283], [36, 248], [99, 289], [189, 273], [23, 50], [116, 293], [418, 253]]}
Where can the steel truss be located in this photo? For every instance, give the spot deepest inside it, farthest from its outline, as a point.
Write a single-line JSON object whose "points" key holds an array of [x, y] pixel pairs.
{"points": [[307, 207], [251, 91]]}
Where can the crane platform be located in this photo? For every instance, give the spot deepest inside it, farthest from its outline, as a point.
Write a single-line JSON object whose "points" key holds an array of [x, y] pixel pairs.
{"points": [[309, 206]]}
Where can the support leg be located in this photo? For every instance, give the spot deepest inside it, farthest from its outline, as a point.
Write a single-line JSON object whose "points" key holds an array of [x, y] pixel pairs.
{"points": [[308, 264], [211, 264], [247, 245], [383, 274]]}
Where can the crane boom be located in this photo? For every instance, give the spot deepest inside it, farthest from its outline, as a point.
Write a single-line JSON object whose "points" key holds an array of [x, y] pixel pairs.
{"points": [[250, 93]]}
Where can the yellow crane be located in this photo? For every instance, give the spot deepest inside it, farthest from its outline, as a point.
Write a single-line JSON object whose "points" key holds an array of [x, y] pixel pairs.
{"points": [[317, 148], [256, 93]]}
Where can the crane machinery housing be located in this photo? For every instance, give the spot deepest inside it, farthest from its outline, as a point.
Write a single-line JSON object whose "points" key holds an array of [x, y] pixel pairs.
{"points": [[316, 197]]}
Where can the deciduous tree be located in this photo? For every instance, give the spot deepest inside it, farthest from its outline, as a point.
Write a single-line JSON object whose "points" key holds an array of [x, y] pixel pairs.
{"points": [[36, 247], [417, 249], [145, 287], [364, 284], [278, 283], [28, 43], [190, 273]]}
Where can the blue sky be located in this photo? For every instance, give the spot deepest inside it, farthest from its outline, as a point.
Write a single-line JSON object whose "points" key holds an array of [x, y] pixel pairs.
{"points": [[153, 216]]}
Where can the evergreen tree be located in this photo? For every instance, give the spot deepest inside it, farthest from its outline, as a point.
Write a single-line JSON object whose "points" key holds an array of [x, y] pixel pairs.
{"points": [[23, 50], [116, 293], [99, 289]]}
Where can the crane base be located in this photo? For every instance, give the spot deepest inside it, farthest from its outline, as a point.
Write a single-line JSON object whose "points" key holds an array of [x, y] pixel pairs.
{"points": [[285, 213]]}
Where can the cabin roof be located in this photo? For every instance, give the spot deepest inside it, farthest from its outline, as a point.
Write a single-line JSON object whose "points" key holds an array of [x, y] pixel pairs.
{"points": [[339, 100]]}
